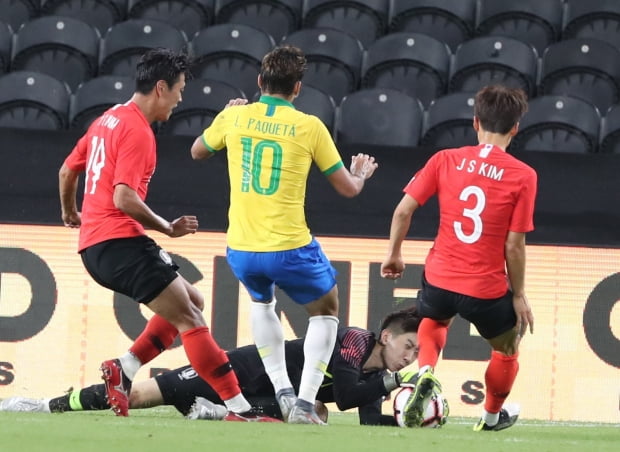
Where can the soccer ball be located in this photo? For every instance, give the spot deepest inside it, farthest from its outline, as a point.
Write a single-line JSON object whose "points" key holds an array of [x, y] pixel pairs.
{"points": [[435, 412]]}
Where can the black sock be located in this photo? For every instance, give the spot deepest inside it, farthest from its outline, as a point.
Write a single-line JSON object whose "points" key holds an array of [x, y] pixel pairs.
{"points": [[85, 399]]}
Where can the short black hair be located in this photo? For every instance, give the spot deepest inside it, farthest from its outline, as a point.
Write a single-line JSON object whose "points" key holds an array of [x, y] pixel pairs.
{"points": [[160, 64], [403, 321]]}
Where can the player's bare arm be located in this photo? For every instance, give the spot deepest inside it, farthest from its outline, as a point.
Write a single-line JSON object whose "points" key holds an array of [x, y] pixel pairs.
{"points": [[393, 265], [128, 201], [67, 183], [349, 183], [200, 151], [515, 266]]}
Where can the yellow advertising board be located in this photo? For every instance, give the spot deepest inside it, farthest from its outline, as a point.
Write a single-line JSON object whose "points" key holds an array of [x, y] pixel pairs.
{"points": [[57, 324]]}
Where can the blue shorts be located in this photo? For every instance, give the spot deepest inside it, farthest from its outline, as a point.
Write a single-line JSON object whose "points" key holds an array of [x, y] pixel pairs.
{"points": [[305, 273]]}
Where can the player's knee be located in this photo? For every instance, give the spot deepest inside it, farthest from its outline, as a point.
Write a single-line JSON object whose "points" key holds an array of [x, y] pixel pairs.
{"points": [[136, 399], [326, 305]]}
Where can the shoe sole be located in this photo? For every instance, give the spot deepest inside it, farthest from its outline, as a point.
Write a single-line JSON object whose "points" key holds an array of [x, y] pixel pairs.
{"points": [[413, 413], [118, 400], [259, 419]]}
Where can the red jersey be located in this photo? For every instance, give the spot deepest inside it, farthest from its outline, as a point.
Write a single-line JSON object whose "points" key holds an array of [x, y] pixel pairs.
{"points": [[483, 193], [118, 148]]}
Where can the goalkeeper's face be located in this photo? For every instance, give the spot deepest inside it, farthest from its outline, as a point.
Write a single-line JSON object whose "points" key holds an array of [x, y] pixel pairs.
{"points": [[399, 350]]}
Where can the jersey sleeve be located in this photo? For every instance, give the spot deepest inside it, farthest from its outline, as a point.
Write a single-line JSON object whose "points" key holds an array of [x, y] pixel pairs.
{"points": [[352, 387], [130, 158], [326, 155], [371, 415], [523, 214], [76, 160], [214, 136], [423, 184]]}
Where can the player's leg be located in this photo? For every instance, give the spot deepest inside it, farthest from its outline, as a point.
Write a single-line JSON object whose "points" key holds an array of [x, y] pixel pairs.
{"points": [[180, 388], [138, 268], [318, 348], [495, 321], [437, 308], [158, 335], [250, 269], [85, 399], [308, 277], [144, 394], [205, 356]]}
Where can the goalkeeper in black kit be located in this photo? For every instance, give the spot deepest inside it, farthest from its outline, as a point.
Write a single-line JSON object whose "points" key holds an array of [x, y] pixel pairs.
{"points": [[363, 370]]}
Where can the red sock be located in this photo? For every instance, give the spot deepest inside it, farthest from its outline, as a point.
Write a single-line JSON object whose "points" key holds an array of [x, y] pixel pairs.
{"points": [[499, 377], [432, 337], [158, 335], [210, 362]]}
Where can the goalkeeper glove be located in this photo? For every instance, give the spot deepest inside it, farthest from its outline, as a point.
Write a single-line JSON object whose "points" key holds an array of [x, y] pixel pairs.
{"points": [[408, 379], [400, 379]]}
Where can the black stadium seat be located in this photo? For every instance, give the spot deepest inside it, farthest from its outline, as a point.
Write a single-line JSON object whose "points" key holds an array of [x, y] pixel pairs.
{"points": [[558, 124], [99, 14], [450, 21], [202, 101], [416, 64], [610, 131], [379, 116], [17, 12], [63, 47], [585, 68], [489, 60], [315, 102], [189, 16], [449, 122], [537, 22], [33, 100], [125, 42], [95, 96], [334, 59], [6, 40], [231, 53], [598, 19], [277, 18], [364, 19]]}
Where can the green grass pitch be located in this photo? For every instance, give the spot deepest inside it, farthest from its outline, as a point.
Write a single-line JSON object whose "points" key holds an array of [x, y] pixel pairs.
{"points": [[163, 429]]}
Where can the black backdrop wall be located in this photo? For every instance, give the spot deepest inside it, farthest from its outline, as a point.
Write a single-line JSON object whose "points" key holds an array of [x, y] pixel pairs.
{"points": [[578, 201]]}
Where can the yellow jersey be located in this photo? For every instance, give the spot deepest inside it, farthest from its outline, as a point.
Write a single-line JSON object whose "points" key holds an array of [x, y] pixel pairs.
{"points": [[271, 147]]}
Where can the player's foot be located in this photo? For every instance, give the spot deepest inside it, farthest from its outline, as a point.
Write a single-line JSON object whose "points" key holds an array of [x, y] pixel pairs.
{"points": [[25, 404], [286, 399], [205, 409], [508, 415], [300, 416], [249, 416], [414, 407], [117, 386]]}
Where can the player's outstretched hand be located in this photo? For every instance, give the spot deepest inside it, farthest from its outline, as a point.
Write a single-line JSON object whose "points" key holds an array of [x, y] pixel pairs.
{"points": [[363, 166], [392, 268], [187, 224]]}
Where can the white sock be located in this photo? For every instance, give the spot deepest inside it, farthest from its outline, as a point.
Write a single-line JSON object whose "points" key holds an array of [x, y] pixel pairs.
{"points": [[131, 364], [269, 339], [238, 404], [490, 418], [318, 349]]}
